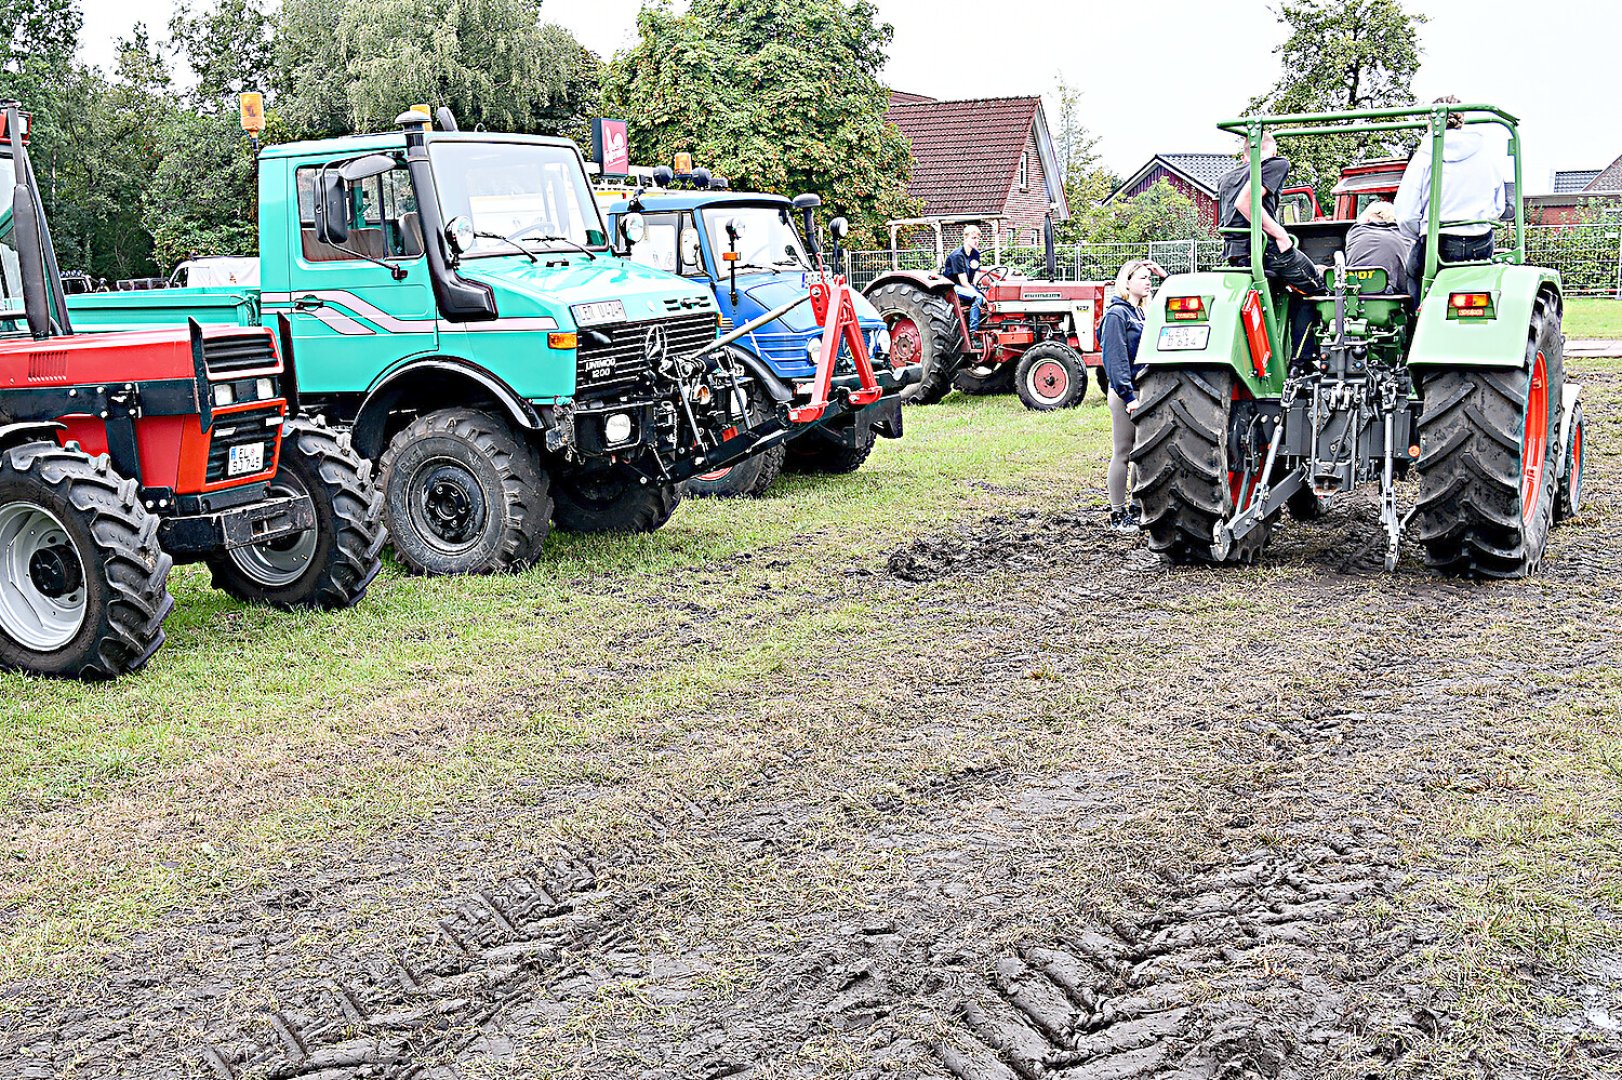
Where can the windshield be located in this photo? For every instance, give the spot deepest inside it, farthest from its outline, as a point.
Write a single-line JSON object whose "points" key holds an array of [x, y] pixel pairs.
{"points": [[535, 195], [767, 239], [11, 267]]}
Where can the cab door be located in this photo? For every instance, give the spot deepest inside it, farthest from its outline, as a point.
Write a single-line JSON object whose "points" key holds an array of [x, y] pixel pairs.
{"points": [[351, 319]]}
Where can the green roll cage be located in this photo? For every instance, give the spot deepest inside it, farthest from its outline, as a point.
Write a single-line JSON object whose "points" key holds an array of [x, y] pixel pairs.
{"points": [[1432, 118]]}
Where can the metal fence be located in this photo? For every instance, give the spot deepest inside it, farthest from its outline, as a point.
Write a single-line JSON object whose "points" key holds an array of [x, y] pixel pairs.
{"points": [[1589, 258]]}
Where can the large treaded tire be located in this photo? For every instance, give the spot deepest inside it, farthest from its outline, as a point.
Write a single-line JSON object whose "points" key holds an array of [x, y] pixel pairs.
{"points": [[999, 381], [1181, 455], [125, 573], [1051, 376], [1569, 502], [815, 454], [941, 347], [611, 500], [1475, 516], [342, 557], [749, 478], [472, 455]]}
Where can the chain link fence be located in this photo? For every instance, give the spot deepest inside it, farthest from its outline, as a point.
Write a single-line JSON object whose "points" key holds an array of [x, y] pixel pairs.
{"points": [[1589, 258]]}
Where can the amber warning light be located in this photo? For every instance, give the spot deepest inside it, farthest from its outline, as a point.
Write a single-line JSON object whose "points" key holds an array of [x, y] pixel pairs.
{"points": [[252, 107]]}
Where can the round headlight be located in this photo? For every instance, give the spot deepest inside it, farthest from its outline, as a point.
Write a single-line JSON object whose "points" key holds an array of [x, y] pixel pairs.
{"points": [[460, 231], [617, 428], [634, 227], [813, 350], [881, 340]]}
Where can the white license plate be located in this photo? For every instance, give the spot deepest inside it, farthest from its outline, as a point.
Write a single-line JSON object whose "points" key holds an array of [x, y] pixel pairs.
{"points": [[245, 460], [595, 314], [1176, 338]]}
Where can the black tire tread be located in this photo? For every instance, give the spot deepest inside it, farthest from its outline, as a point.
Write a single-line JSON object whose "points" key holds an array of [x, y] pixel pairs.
{"points": [[1052, 350], [644, 508], [940, 320]]}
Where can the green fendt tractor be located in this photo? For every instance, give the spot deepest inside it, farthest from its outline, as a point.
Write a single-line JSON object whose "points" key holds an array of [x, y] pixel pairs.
{"points": [[1468, 392]]}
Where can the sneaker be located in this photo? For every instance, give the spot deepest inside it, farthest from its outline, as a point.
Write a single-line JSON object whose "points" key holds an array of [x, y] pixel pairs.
{"points": [[1123, 522]]}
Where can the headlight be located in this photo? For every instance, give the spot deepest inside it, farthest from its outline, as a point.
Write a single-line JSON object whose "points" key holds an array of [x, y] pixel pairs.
{"points": [[223, 395], [264, 388], [617, 428], [634, 227], [813, 350], [881, 341]]}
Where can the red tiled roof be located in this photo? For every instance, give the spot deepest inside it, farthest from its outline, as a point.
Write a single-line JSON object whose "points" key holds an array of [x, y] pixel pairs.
{"points": [[965, 153], [1608, 180], [901, 97]]}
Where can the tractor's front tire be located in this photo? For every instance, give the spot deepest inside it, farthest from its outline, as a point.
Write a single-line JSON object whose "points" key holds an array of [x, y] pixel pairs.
{"points": [[749, 478], [923, 330], [983, 382], [1051, 376], [1488, 442], [610, 499], [331, 565], [84, 584], [464, 494], [1185, 482], [816, 454]]}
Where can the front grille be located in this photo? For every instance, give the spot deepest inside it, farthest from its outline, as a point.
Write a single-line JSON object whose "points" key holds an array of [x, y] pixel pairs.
{"points": [[227, 353], [239, 429], [613, 357]]}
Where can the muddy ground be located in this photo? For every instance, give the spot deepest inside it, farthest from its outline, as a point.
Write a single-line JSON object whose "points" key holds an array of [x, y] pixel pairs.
{"points": [[1034, 807]]}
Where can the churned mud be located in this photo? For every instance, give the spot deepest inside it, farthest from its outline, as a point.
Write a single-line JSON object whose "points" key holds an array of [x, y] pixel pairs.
{"points": [[1055, 811]]}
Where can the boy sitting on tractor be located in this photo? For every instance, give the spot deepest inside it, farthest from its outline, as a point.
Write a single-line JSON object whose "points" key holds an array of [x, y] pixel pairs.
{"points": [[962, 267]]}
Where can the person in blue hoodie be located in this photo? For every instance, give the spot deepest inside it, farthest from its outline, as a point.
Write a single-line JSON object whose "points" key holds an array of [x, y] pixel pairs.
{"points": [[1120, 333]]}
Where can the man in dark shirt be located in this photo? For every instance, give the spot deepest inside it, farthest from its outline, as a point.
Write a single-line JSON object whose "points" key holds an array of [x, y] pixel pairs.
{"points": [[962, 267], [1282, 262]]}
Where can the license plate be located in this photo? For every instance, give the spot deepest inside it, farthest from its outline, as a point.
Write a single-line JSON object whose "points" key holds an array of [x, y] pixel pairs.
{"points": [[1176, 338], [595, 314], [245, 459]]}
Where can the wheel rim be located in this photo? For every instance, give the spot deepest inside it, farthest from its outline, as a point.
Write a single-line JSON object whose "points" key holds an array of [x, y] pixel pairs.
{"points": [[43, 598], [447, 505], [1048, 381], [281, 562], [1535, 439], [1242, 485], [712, 477], [906, 342]]}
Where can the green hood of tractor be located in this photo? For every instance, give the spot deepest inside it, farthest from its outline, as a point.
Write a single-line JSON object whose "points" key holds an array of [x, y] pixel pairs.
{"points": [[524, 288]]}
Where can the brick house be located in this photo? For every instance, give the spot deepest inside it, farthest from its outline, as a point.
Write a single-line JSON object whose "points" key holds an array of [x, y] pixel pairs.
{"points": [[991, 161], [1195, 176], [1602, 187]]}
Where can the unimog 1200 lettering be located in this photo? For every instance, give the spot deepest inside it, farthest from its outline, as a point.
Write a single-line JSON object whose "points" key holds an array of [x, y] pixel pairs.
{"points": [[454, 298]]}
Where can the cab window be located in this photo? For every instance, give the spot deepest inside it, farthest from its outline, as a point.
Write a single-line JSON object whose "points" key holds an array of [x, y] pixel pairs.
{"points": [[663, 249], [383, 218]]}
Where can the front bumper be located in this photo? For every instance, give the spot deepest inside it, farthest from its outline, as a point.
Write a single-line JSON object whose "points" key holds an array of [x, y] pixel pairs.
{"points": [[192, 536]]}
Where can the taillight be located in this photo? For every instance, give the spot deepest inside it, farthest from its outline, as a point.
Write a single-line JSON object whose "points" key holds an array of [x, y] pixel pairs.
{"points": [[1186, 307], [1470, 305]]}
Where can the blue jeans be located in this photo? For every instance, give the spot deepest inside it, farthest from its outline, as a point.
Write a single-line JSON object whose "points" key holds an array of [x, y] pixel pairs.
{"points": [[976, 303]]}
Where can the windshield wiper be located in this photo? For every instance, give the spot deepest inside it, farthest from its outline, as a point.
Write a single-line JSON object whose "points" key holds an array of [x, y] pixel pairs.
{"points": [[547, 239], [520, 248]]}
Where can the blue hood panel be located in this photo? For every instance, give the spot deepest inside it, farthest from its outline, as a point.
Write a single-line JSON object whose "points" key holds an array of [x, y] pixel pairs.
{"points": [[774, 290]]}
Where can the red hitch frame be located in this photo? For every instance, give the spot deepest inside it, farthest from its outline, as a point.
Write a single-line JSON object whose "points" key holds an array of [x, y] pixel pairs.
{"points": [[835, 311]]}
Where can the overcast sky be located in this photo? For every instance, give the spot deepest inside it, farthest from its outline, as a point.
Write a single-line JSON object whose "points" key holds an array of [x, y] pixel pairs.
{"points": [[1156, 75]]}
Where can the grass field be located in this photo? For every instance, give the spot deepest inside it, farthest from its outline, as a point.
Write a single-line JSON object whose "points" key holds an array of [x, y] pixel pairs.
{"points": [[915, 772], [1593, 319]]}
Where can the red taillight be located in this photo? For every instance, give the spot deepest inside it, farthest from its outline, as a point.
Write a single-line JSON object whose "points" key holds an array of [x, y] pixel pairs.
{"points": [[1186, 307], [1470, 304]]}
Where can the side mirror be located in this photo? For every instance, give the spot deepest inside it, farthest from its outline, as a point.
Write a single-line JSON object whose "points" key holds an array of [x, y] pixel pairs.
{"points": [[633, 229], [31, 254], [808, 201], [364, 168], [447, 119], [331, 208], [839, 228], [689, 247], [459, 234]]}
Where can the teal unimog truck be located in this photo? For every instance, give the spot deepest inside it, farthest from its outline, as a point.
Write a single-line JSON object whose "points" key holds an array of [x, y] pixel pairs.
{"points": [[453, 298], [1469, 393]]}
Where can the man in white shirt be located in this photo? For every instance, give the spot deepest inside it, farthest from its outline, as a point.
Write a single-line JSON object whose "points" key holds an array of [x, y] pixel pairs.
{"points": [[1472, 190]]}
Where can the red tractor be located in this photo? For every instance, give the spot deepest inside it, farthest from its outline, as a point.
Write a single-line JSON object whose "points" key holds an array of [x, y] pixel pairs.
{"points": [[1037, 338], [1359, 185], [122, 453]]}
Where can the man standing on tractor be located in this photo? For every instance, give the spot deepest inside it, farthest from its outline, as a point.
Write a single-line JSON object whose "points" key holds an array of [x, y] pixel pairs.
{"points": [[1283, 263], [1472, 191], [962, 267]]}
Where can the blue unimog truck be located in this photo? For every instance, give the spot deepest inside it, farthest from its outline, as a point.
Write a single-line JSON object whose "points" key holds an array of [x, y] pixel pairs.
{"points": [[744, 247]]}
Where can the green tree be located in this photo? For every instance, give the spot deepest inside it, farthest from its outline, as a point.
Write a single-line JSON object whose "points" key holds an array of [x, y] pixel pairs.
{"points": [[229, 48], [1342, 55], [203, 199], [776, 95], [309, 66], [1086, 180]]}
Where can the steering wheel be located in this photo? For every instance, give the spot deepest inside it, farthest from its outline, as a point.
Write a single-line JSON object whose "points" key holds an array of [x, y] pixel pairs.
{"points": [[990, 275]]}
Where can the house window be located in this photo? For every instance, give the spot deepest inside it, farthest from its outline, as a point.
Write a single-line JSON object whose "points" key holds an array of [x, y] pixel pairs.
{"points": [[1025, 171]]}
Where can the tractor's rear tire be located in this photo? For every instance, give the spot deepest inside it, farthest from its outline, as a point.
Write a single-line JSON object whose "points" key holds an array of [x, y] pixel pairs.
{"points": [[1488, 442], [749, 478], [464, 494], [1569, 503], [816, 454], [1184, 480], [610, 499], [923, 330], [1051, 376], [84, 584], [331, 565], [981, 382]]}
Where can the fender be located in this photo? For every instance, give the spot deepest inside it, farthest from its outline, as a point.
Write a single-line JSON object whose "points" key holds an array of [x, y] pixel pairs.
{"points": [[381, 398], [29, 431], [1498, 342], [1224, 293], [1570, 395], [927, 280]]}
